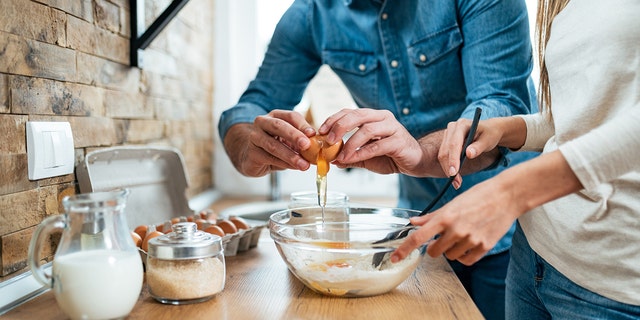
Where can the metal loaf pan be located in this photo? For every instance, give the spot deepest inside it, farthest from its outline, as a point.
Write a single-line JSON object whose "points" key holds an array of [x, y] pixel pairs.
{"points": [[156, 177]]}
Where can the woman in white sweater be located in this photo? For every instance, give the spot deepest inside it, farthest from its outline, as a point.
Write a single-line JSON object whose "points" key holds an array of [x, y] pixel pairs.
{"points": [[576, 252]]}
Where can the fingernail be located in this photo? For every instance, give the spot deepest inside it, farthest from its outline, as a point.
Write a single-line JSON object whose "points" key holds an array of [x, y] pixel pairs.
{"points": [[456, 185], [302, 164], [309, 130], [322, 128], [330, 138], [452, 171], [394, 258], [473, 152], [303, 143]]}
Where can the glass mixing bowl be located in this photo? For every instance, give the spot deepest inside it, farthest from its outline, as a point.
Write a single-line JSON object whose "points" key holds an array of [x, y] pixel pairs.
{"points": [[335, 257]]}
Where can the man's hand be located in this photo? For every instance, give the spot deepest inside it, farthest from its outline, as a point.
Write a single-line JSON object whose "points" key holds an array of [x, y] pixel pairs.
{"points": [[380, 144], [271, 143]]}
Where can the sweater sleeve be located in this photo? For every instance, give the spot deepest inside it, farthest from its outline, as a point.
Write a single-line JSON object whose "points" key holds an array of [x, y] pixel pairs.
{"points": [[606, 152], [539, 130]]}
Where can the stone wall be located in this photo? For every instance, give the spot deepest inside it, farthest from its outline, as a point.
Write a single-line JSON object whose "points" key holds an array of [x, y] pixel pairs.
{"points": [[68, 60]]}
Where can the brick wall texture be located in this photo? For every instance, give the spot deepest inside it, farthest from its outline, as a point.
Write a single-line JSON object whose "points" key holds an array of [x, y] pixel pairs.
{"points": [[68, 60]]}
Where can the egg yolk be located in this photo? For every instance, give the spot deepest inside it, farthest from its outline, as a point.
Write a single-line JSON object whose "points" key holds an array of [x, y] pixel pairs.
{"points": [[338, 264], [323, 165], [333, 244], [324, 267]]}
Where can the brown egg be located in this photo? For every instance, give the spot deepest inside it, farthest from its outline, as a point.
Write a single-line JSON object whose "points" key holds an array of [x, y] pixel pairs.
{"points": [[151, 235], [208, 214], [164, 227], [328, 152], [239, 222], [213, 229], [137, 240], [227, 226], [175, 220], [201, 223], [141, 231], [311, 154]]}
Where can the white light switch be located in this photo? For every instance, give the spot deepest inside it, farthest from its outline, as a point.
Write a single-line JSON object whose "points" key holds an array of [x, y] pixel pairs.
{"points": [[49, 149]]}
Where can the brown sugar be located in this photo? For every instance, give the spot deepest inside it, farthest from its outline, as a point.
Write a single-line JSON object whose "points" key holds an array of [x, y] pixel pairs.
{"points": [[185, 279]]}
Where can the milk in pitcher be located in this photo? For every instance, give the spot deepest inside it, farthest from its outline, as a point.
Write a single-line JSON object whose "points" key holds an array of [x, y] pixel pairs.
{"points": [[97, 284]]}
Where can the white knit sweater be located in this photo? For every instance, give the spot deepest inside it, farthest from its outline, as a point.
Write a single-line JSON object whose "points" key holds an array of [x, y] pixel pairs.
{"points": [[593, 236]]}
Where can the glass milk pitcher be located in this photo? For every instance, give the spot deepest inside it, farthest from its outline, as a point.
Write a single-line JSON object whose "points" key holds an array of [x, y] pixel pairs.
{"points": [[97, 270]]}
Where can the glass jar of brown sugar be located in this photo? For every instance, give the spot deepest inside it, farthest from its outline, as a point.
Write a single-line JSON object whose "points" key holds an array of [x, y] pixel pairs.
{"points": [[185, 265]]}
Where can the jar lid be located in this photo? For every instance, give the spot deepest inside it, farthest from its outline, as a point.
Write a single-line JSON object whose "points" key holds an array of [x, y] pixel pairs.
{"points": [[185, 242]]}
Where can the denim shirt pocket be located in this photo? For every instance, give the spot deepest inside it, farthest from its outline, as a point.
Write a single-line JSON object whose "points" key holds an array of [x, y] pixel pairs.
{"points": [[357, 63], [438, 67], [427, 50], [357, 70]]}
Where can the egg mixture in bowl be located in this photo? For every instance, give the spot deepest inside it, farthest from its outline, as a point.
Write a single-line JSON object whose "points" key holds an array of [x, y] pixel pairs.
{"points": [[335, 256]]}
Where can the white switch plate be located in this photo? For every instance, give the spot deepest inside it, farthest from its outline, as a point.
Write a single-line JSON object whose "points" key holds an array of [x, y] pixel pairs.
{"points": [[49, 149]]}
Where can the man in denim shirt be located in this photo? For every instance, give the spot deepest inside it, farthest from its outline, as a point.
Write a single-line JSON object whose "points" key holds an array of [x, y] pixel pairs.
{"points": [[425, 63]]}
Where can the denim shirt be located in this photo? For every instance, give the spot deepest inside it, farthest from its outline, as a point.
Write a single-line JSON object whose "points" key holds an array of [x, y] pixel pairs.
{"points": [[429, 62]]}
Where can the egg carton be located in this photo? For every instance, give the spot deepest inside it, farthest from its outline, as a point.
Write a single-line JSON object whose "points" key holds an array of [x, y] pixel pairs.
{"points": [[239, 241], [232, 243], [157, 180]]}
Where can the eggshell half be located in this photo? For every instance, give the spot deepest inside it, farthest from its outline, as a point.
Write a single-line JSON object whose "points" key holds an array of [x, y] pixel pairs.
{"points": [[330, 152]]}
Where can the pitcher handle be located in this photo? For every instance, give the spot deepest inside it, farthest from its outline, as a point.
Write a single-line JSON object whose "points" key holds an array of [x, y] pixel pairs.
{"points": [[46, 227]]}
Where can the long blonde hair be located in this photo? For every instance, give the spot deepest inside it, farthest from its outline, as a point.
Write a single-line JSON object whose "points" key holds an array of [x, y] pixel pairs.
{"points": [[547, 11]]}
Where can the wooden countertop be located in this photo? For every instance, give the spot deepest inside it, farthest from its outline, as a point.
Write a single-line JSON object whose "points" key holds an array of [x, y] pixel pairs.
{"points": [[259, 286]]}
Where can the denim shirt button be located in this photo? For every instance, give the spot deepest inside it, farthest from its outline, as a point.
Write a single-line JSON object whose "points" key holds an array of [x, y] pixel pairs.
{"points": [[423, 58], [394, 63], [384, 16], [405, 111], [362, 67]]}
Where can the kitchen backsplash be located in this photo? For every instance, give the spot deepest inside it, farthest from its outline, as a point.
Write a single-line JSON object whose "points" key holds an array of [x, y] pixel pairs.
{"points": [[68, 60]]}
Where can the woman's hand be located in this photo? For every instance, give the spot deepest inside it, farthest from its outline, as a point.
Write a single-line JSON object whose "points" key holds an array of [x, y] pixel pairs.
{"points": [[473, 222], [467, 227], [487, 137]]}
